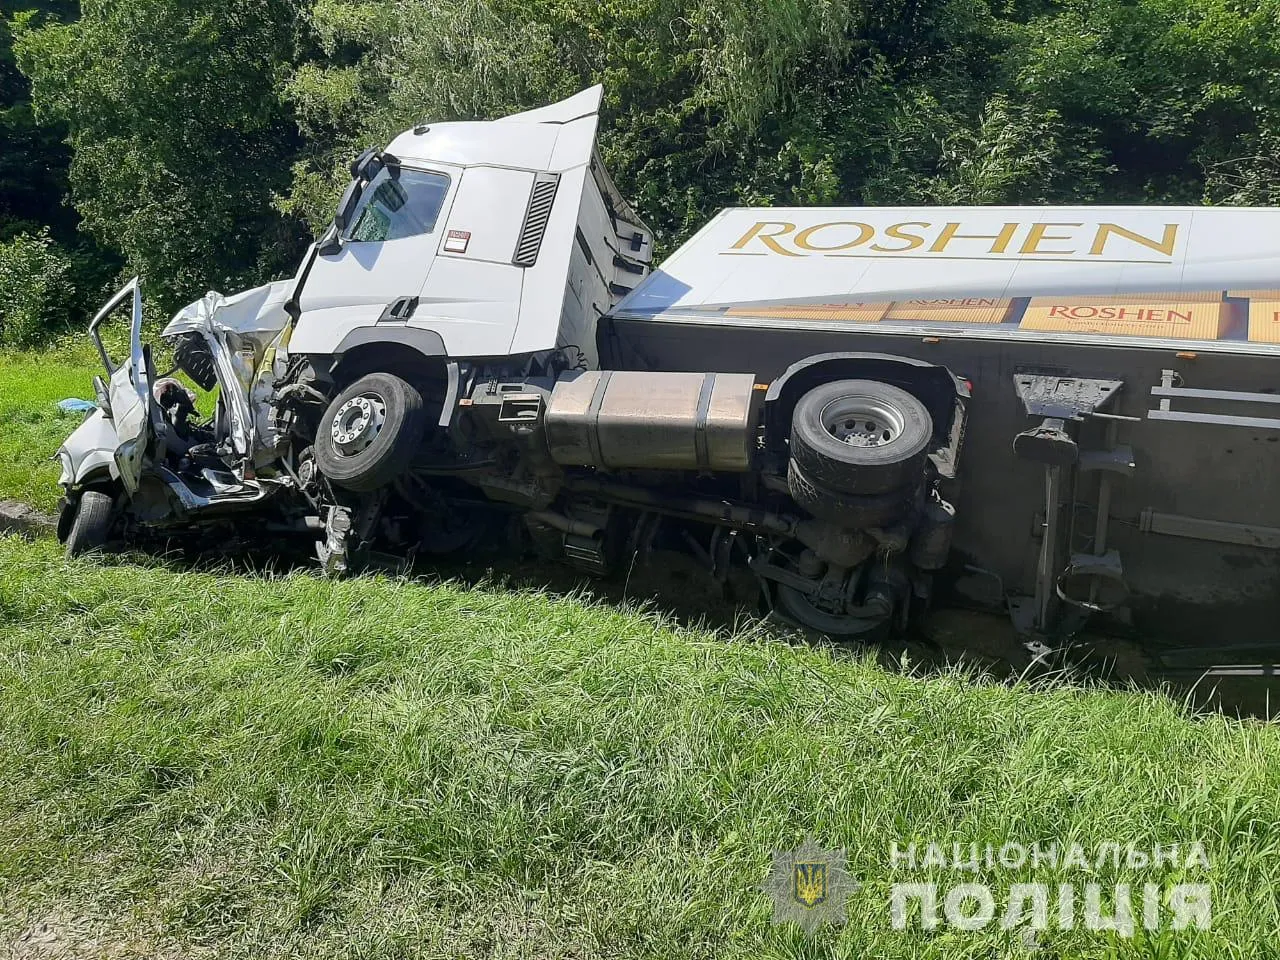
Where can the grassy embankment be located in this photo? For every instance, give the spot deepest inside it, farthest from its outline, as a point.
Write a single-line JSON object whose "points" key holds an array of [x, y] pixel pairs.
{"points": [[258, 766], [31, 426]]}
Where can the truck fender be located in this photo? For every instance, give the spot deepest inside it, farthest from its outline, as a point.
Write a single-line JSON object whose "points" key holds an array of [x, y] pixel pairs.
{"points": [[382, 347], [426, 342], [934, 385], [421, 344]]}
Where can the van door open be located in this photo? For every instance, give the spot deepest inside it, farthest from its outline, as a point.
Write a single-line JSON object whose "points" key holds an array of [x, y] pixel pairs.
{"points": [[129, 389]]}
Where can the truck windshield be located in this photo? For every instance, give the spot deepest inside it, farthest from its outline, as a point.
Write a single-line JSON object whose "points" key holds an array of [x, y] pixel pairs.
{"points": [[399, 202]]}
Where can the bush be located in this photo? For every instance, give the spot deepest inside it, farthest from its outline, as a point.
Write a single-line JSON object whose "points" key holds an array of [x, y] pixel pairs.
{"points": [[36, 289]]}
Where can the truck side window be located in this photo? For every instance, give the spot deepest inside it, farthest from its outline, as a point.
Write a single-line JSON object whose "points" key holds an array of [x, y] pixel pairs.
{"points": [[399, 202]]}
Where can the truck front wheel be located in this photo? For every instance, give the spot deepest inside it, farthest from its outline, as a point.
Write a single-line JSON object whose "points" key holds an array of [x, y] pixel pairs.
{"points": [[860, 436], [370, 432]]}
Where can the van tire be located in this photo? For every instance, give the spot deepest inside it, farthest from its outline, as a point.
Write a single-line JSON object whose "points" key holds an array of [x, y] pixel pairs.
{"points": [[860, 436], [370, 432], [91, 521], [847, 510]]}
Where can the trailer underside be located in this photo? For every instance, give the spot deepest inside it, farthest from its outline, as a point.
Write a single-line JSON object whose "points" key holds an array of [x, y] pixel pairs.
{"points": [[1167, 517]]}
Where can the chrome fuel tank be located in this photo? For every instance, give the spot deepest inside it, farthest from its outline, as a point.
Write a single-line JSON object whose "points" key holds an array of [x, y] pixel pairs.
{"points": [[660, 421]]}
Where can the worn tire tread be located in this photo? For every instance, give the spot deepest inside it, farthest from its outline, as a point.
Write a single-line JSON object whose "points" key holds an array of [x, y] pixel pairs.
{"points": [[847, 510], [92, 524]]}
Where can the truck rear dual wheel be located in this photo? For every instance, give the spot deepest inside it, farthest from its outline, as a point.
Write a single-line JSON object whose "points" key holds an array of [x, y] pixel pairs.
{"points": [[370, 432], [860, 437], [808, 613], [852, 511]]}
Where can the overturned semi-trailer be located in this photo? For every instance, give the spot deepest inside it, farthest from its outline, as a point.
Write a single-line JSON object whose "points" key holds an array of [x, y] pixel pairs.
{"points": [[1122, 423]]}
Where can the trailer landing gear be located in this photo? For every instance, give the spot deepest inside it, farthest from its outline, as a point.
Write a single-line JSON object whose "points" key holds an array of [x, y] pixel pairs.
{"points": [[1070, 586]]}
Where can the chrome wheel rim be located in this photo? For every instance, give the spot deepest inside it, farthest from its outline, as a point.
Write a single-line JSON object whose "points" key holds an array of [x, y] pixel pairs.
{"points": [[863, 421], [357, 423]]}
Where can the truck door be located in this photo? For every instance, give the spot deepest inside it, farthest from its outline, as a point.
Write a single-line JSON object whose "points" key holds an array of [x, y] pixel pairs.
{"points": [[385, 252]]}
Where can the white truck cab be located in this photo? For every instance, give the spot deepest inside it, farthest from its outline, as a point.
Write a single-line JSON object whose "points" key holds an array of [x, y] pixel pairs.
{"points": [[475, 239]]}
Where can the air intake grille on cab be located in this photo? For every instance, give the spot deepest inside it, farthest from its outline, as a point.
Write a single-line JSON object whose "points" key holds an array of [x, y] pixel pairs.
{"points": [[535, 219]]}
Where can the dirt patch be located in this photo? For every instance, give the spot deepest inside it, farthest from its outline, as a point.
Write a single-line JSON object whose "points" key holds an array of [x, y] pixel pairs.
{"points": [[63, 936], [23, 520]]}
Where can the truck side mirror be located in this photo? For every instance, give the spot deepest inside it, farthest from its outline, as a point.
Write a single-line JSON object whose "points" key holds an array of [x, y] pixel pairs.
{"points": [[330, 243], [366, 166], [391, 195], [347, 207]]}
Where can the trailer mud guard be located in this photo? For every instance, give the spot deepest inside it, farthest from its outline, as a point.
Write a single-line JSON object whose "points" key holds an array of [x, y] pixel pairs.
{"points": [[935, 386]]}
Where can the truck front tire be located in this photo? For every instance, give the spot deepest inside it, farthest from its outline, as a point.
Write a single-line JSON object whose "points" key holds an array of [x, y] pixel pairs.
{"points": [[370, 432], [860, 437]]}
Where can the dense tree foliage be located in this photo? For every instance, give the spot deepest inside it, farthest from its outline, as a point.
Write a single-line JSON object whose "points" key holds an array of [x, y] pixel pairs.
{"points": [[39, 288], [33, 160], [178, 137], [203, 135]]}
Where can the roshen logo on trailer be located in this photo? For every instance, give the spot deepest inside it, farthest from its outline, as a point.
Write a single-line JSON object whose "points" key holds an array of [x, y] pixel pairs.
{"points": [[1101, 241]]}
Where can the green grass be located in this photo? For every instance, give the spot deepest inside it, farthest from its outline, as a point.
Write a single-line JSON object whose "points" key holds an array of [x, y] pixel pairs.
{"points": [[31, 425], [378, 768], [211, 763]]}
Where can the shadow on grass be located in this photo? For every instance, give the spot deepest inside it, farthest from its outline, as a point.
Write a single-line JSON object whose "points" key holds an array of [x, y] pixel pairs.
{"points": [[675, 586]]}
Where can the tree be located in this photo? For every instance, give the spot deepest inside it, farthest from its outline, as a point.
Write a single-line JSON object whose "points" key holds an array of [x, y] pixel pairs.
{"points": [[708, 102], [204, 135], [33, 163], [49, 271], [178, 134]]}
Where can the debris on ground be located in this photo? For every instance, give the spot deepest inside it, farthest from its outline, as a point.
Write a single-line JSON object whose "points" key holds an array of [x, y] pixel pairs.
{"points": [[76, 405]]}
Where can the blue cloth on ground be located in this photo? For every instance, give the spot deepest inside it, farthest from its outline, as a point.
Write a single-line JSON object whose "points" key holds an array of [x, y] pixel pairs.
{"points": [[76, 405]]}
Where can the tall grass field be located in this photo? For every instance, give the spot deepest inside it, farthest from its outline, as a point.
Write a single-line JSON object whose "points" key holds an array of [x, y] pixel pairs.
{"points": [[204, 762]]}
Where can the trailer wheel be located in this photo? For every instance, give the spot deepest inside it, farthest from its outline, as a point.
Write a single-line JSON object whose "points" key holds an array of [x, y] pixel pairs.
{"points": [[849, 510], [370, 432], [91, 518], [860, 436]]}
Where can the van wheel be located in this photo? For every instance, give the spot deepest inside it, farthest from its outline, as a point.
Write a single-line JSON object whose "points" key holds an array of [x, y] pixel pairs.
{"points": [[370, 432], [90, 523], [860, 436], [848, 510]]}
